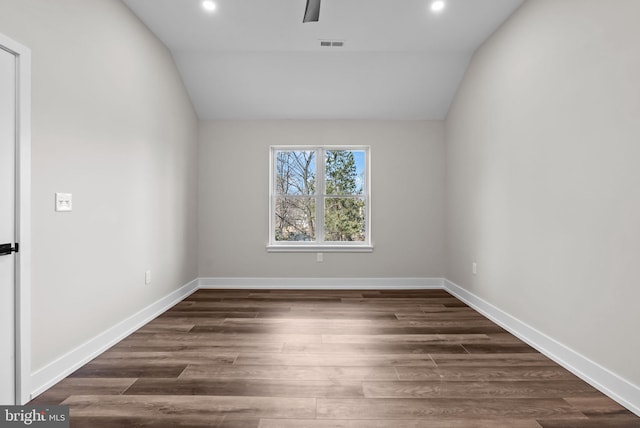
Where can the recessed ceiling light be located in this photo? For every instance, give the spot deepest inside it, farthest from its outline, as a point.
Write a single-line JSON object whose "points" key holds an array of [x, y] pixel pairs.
{"points": [[208, 5], [437, 6]]}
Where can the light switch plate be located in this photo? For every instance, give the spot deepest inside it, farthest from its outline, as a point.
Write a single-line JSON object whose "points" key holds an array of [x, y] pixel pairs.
{"points": [[64, 202]]}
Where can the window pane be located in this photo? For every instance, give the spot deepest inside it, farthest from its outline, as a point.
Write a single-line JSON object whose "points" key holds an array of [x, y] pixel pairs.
{"points": [[344, 219], [295, 173], [295, 219], [344, 171]]}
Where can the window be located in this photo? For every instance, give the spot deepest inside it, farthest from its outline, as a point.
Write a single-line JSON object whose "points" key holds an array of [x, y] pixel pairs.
{"points": [[319, 199]]}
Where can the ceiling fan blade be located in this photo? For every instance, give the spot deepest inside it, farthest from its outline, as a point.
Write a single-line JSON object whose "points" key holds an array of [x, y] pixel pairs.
{"points": [[312, 11]]}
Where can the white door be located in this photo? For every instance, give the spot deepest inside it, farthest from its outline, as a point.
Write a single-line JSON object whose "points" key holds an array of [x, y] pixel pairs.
{"points": [[7, 225]]}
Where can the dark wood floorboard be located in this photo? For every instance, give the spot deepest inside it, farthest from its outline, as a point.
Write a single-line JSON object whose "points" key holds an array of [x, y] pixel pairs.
{"points": [[328, 359], [458, 407], [405, 423], [251, 388]]}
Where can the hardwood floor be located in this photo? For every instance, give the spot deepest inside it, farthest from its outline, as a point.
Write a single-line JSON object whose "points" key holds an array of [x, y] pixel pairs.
{"points": [[320, 359]]}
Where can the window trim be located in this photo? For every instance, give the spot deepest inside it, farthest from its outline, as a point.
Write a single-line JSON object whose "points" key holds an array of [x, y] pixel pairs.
{"points": [[320, 246]]}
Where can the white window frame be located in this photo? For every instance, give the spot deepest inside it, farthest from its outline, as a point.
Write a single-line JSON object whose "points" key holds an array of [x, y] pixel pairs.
{"points": [[320, 245]]}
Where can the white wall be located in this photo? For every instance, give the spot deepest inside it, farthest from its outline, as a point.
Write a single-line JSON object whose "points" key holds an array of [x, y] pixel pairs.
{"points": [[543, 151], [541, 173], [407, 185], [113, 125]]}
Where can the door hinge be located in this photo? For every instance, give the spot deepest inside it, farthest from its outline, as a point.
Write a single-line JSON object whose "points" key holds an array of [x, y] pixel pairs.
{"points": [[6, 249]]}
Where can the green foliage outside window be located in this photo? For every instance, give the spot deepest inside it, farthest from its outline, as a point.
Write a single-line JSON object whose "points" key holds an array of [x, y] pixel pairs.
{"points": [[343, 199]]}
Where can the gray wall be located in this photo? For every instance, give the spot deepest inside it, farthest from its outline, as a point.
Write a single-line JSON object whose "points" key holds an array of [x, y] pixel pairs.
{"points": [[113, 125], [541, 177], [407, 163], [543, 150]]}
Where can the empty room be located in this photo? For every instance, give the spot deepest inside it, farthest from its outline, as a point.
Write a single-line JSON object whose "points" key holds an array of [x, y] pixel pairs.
{"points": [[320, 213]]}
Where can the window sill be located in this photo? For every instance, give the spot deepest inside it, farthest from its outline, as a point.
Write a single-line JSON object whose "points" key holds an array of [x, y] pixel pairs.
{"points": [[320, 248]]}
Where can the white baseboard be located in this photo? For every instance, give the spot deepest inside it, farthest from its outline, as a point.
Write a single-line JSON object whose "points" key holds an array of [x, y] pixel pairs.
{"points": [[323, 283], [620, 390], [52, 373]]}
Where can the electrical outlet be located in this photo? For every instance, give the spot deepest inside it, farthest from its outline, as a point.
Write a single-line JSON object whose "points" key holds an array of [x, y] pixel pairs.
{"points": [[64, 202], [319, 257], [147, 277], [474, 268]]}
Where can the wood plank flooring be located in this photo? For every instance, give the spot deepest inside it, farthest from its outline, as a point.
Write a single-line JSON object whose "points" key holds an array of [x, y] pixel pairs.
{"points": [[320, 359]]}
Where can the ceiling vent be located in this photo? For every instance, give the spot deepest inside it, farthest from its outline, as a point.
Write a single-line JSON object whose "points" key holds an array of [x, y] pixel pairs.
{"points": [[331, 43]]}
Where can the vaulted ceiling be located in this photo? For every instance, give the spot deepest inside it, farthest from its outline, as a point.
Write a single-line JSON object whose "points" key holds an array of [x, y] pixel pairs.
{"points": [[255, 59]]}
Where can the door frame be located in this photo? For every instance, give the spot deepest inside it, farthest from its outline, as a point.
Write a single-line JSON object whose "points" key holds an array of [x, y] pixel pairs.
{"points": [[23, 218]]}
